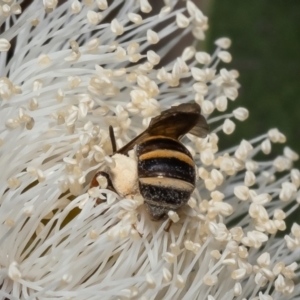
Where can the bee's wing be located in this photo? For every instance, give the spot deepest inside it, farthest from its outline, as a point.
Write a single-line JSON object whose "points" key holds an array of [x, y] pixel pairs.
{"points": [[179, 120], [201, 128], [138, 139], [174, 123]]}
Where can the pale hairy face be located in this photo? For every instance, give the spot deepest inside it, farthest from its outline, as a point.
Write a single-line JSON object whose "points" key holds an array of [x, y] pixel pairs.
{"points": [[124, 175]]}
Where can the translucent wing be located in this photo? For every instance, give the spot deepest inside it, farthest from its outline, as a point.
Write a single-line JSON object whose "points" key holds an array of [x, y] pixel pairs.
{"points": [[174, 123], [201, 128], [179, 120]]}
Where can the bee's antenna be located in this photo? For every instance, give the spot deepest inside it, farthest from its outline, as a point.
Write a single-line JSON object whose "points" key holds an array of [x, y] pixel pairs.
{"points": [[112, 139]]}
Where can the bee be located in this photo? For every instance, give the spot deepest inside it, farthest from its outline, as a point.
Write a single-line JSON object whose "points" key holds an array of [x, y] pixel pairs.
{"points": [[166, 171]]}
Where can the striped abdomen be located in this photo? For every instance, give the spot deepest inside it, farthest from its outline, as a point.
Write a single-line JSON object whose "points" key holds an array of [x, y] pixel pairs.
{"points": [[167, 176]]}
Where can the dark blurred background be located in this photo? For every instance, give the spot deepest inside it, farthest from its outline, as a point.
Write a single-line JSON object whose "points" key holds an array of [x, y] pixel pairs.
{"points": [[266, 51]]}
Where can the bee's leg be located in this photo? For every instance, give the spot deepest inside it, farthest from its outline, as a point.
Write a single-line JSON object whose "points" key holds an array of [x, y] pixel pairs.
{"points": [[94, 183], [134, 227], [168, 225]]}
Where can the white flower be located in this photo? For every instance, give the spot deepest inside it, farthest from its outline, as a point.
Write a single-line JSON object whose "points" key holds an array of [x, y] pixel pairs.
{"points": [[73, 69]]}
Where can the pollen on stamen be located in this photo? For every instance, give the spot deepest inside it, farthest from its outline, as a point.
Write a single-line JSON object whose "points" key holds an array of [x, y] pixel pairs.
{"points": [[4, 45], [173, 216]]}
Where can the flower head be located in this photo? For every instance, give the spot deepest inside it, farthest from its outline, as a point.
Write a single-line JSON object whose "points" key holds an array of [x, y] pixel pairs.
{"points": [[73, 70]]}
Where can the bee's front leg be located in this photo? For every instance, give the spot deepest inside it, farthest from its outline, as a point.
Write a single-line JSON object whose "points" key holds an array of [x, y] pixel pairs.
{"points": [[95, 183]]}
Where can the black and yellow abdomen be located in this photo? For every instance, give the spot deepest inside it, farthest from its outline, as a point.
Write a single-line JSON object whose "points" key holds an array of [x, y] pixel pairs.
{"points": [[166, 172]]}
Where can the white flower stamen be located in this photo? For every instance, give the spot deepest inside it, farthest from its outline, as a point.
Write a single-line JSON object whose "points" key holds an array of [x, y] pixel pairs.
{"points": [[75, 223]]}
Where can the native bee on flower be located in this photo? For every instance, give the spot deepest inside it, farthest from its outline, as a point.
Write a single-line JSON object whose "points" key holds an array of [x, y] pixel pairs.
{"points": [[165, 172]]}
